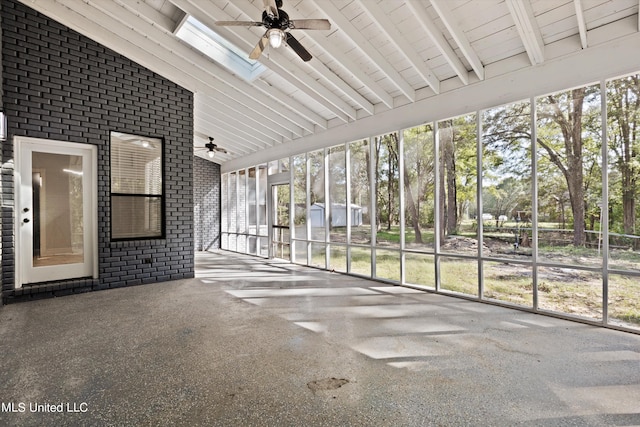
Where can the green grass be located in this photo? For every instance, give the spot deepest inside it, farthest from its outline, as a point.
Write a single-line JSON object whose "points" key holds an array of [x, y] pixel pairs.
{"points": [[624, 298], [361, 261], [563, 290], [420, 270], [392, 236], [459, 275]]}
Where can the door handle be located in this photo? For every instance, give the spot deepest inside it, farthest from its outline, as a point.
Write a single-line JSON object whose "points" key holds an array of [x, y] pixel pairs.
{"points": [[25, 220], [25, 210]]}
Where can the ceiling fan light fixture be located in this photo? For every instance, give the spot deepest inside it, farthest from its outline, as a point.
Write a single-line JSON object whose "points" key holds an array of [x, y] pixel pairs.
{"points": [[211, 154], [276, 37]]}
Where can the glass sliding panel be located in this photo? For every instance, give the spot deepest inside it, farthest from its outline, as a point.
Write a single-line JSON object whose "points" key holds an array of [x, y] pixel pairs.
{"points": [[509, 282], [387, 190], [338, 195], [338, 259], [570, 291], [361, 261], [623, 114], [459, 275], [624, 303], [506, 182], [388, 265], [458, 179], [58, 220], [569, 158], [419, 187], [317, 208], [360, 194], [420, 270]]}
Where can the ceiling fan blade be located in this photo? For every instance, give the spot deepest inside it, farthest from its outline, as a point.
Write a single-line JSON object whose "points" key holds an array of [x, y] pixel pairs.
{"points": [[298, 48], [310, 24], [271, 8], [257, 51], [238, 23]]}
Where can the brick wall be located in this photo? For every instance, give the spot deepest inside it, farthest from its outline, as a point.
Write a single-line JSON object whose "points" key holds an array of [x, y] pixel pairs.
{"points": [[63, 86], [206, 204]]}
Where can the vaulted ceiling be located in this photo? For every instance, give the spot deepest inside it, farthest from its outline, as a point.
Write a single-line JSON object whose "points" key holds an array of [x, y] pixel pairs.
{"points": [[378, 56]]}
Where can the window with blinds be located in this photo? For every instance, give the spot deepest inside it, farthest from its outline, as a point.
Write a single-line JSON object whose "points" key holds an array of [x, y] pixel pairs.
{"points": [[137, 190]]}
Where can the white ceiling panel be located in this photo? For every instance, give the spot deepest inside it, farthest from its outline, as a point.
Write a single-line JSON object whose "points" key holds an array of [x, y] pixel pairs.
{"points": [[378, 56]]}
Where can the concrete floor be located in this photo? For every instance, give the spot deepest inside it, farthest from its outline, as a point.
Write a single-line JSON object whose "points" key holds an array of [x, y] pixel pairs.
{"points": [[250, 342]]}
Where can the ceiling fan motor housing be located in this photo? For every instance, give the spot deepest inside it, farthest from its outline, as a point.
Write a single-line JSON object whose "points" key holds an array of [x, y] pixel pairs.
{"points": [[281, 21]]}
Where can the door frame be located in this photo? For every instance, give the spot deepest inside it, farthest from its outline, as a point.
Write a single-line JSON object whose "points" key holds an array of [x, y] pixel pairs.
{"points": [[282, 178], [55, 147]]}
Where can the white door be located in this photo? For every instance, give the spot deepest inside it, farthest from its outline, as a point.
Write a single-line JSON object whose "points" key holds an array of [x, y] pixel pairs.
{"points": [[56, 210]]}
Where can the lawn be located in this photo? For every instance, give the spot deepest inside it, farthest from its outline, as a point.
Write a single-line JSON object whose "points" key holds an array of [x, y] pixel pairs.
{"points": [[560, 289]]}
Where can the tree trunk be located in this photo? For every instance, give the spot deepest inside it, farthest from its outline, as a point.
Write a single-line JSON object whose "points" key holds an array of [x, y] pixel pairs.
{"points": [[393, 147], [629, 179], [571, 128], [441, 197], [576, 175], [413, 211], [450, 174]]}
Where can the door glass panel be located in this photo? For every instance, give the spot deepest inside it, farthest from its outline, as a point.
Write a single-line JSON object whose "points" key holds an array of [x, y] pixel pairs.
{"points": [[58, 233], [281, 238]]}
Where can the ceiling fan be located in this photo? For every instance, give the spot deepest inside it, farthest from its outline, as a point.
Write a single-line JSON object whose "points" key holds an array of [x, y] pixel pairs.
{"points": [[212, 148], [277, 23]]}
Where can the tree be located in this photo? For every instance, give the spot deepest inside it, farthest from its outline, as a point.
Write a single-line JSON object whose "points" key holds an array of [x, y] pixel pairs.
{"points": [[418, 174], [391, 141], [507, 196], [562, 115], [361, 187], [506, 161], [457, 174], [316, 176], [386, 184], [623, 112], [448, 201], [360, 173]]}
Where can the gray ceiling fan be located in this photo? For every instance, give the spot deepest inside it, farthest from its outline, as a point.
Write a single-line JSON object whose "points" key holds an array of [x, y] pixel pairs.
{"points": [[278, 24]]}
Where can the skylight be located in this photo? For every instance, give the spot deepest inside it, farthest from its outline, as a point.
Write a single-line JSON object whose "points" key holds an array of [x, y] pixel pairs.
{"points": [[220, 50]]}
